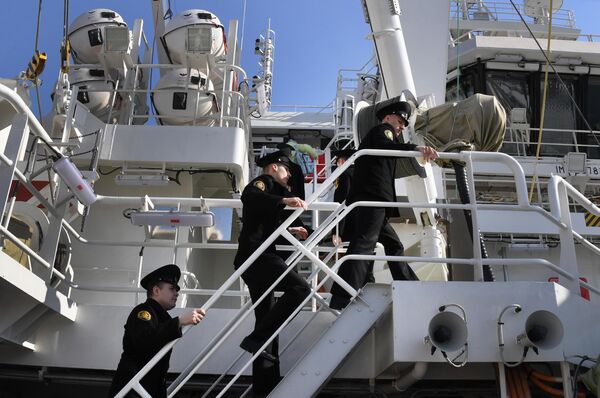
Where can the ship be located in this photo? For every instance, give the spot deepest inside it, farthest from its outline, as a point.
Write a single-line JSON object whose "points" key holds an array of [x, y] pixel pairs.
{"points": [[150, 140]]}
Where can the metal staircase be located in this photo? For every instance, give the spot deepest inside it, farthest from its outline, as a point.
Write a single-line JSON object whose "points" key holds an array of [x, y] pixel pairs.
{"points": [[35, 297], [319, 363], [29, 290], [31, 300]]}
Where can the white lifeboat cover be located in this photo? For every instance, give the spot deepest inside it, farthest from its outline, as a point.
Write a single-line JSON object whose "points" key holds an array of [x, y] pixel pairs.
{"points": [[187, 98], [87, 32]]}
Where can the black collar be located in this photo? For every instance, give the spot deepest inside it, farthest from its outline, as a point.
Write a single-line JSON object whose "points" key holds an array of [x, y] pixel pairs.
{"points": [[160, 311]]}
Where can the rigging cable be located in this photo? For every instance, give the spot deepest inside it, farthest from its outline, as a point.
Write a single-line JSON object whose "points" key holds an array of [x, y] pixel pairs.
{"points": [[569, 94], [66, 47], [243, 25]]}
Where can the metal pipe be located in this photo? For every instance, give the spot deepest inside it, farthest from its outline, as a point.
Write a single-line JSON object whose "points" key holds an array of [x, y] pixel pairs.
{"points": [[417, 373]]}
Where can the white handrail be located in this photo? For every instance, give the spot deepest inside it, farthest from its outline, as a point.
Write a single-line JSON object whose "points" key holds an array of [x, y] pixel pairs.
{"points": [[17, 102], [302, 250]]}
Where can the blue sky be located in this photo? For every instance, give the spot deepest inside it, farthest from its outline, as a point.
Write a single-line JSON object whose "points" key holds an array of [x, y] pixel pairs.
{"points": [[314, 38]]}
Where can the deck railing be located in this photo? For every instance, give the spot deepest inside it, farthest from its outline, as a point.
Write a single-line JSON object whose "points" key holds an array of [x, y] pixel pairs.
{"points": [[559, 192]]}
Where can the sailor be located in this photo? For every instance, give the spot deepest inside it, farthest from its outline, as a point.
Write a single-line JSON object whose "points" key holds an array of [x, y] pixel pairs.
{"points": [[296, 181], [264, 199], [149, 327], [374, 181]]}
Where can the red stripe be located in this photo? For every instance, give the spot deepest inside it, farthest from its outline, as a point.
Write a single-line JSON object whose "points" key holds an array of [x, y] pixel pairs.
{"points": [[23, 195]]}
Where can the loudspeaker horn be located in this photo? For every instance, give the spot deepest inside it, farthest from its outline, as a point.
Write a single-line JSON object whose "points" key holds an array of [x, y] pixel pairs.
{"points": [[543, 330], [447, 331]]}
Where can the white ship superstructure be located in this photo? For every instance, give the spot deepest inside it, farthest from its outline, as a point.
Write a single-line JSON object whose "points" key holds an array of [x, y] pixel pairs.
{"points": [[150, 141]]}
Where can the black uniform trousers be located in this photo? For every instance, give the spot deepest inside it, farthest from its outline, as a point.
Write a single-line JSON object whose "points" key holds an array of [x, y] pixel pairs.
{"points": [[370, 226], [270, 313]]}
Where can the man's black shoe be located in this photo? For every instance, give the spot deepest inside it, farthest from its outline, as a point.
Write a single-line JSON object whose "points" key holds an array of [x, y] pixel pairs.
{"points": [[338, 302], [252, 347]]}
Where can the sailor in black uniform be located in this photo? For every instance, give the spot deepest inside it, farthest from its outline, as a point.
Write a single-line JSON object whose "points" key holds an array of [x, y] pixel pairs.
{"points": [[264, 199], [374, 181], [149, 327]]}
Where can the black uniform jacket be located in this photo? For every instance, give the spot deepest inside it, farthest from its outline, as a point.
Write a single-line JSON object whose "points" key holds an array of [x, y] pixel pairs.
{"points": [[149, 327], [343, 184], [296, 181], [342, 188], [262, 214], [374, 175]]}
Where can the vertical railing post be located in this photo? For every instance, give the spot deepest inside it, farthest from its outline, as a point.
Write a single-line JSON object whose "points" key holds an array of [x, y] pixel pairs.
{"points": [[16, 139], [50, 245], [478, 269], [559, 207]]}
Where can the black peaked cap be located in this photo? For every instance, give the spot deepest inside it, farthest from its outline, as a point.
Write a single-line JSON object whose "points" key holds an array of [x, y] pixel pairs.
{"points": [[274, 157], [169, 273], [401, 109]]}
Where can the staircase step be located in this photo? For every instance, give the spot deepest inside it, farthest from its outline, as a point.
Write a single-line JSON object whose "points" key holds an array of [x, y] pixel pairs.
{"points": [[320, 362], [29, 290]]}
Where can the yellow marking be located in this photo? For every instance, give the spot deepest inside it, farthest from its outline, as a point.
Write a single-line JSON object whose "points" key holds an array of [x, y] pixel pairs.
{"points": [[36, 65], [591, 220], [260, 185], [144, 315]]}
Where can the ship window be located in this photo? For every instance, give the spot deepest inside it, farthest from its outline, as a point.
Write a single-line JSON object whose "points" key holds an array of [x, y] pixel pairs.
{"points": [[560, 114], [108, 14], [179, 100], [204, 15], [96, 72], [592, 115], [512, 90], [221, 231], [95, 36], [467, 89], [24, 233], [82, 95]]}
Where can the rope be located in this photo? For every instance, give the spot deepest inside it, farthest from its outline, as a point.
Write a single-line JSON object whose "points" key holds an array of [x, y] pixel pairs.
{"points": [[457, 51], [543, 111], [37, 36]]}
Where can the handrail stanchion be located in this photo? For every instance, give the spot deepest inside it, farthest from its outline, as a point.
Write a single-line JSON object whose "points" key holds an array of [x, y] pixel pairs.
{"points": [[476, 234], [559, 205]]}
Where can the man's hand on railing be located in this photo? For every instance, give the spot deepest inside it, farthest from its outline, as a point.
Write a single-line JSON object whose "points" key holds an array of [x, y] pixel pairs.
{"points": [[336, 240], [301, 232], [428, 152], [192, 318], [294, 202]]}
